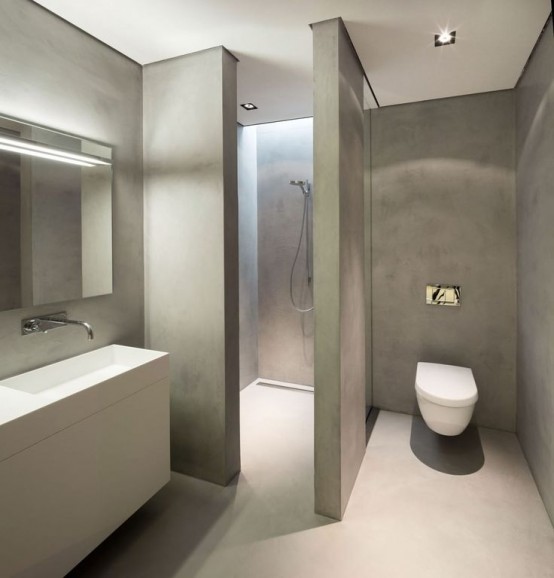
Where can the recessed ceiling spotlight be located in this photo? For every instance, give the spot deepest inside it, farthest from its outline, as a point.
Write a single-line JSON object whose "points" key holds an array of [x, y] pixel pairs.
{"points": [[445, 38], [249, 106]]}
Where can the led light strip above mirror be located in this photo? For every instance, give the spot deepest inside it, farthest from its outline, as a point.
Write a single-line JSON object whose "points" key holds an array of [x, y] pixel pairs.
{"points": [[28, 147]]}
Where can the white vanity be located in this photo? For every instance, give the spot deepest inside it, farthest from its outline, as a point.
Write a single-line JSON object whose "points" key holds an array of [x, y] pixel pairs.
{"points": [[83, 444]]}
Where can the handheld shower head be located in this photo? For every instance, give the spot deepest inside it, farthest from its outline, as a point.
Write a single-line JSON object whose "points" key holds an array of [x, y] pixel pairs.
{"points": [[304, 186]]}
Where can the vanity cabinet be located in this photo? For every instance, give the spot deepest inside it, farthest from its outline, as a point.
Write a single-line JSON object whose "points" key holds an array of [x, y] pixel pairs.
{"points": [[81, 457]]}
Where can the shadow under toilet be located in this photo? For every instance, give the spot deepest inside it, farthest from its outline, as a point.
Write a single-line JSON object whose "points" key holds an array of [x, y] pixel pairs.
{"points": [[457, 455]]}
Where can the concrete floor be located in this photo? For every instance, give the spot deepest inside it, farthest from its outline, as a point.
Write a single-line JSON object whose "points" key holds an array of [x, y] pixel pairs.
{"points": [[404, 518]]}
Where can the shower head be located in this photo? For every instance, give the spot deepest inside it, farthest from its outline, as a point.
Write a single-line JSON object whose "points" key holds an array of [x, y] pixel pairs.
{"points": [[304, 186]]}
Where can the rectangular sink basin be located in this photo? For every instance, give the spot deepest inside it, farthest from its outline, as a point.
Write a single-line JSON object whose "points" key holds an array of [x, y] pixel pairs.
{"points": [[39, 403], [68, 377]]}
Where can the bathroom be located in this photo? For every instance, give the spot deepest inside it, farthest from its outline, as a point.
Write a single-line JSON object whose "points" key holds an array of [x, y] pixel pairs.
{"points": [[457, 195]]}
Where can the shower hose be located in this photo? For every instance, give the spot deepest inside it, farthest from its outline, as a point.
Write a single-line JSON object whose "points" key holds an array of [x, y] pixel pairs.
{"points": [[308, 272]]}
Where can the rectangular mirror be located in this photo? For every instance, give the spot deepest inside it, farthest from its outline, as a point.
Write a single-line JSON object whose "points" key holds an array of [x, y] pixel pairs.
{"points": [[55, 216]]}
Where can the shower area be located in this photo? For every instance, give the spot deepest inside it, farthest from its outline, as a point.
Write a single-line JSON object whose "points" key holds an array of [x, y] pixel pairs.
{"points": [[275, 253]]}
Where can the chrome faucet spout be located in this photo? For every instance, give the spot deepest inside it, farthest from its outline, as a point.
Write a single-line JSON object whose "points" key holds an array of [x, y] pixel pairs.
{"points": [[45, 323], [87, 326]]}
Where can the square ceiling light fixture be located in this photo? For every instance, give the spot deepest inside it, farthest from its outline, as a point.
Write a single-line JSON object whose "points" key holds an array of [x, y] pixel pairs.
{"points": [[249, 106], [445, 38]]}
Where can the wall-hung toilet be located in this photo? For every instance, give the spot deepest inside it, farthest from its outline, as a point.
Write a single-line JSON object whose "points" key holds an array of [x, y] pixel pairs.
{"points": [[446, 395]]}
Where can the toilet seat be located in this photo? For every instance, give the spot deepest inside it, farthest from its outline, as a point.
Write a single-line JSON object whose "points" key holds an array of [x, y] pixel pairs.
{"points": [[447, 385]]}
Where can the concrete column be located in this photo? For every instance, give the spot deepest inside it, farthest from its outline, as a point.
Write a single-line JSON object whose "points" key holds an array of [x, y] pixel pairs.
{"points": [[191, 246], [338, 267]]}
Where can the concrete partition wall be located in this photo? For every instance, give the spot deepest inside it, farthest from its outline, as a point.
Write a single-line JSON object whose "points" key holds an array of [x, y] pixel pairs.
{"points": [[191, 247], [338, 267], [535, 261], [368, 247]]}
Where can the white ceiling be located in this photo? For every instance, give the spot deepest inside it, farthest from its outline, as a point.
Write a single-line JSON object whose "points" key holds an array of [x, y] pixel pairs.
{"points": [[273, 41]]}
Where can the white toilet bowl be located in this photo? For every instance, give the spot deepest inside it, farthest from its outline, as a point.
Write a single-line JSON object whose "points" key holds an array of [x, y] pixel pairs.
{"points": [[446, 395]]}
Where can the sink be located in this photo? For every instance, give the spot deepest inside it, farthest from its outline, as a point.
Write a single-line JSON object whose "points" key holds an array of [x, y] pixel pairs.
{"points": [[44, 401], [68, 377], [83, 444]]}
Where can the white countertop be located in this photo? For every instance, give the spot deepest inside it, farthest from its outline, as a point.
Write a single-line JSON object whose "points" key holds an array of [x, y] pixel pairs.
{"points": [[14, 404], [39, 403]]}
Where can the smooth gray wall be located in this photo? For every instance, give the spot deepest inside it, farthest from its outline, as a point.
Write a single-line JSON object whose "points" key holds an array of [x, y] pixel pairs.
{"points": [[535, 210], [55, 75], [286, 337], [443, 187], [368, 262], [248, 254], [338, 267], [191, 245]]}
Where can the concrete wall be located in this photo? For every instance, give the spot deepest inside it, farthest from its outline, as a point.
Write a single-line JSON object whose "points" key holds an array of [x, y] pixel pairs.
{"points": [[286, 337], [248, 254], [535, 210], [55, 75], [443, 187], [368, 262], [191, 245], [338, 267]]}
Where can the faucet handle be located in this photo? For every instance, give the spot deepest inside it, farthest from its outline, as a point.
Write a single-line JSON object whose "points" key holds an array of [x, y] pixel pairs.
{"points": [[42, 323], [30, 326]]}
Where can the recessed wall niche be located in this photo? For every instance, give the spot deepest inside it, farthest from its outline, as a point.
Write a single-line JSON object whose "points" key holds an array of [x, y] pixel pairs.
{"points": [[55, 216]]}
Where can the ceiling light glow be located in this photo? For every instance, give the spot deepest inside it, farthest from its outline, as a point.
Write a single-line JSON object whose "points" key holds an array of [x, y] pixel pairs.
{"points": [[445, 38]]}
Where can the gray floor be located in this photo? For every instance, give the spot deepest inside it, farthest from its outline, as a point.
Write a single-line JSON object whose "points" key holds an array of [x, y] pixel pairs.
{"points": [[404, 519]]}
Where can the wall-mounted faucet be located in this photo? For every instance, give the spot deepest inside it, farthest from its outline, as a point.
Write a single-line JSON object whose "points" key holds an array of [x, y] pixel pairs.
{"points": [[45, 323]]}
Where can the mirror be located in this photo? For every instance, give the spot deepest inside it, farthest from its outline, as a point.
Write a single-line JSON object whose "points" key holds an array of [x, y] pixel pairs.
{"points": [[55, 216]]}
